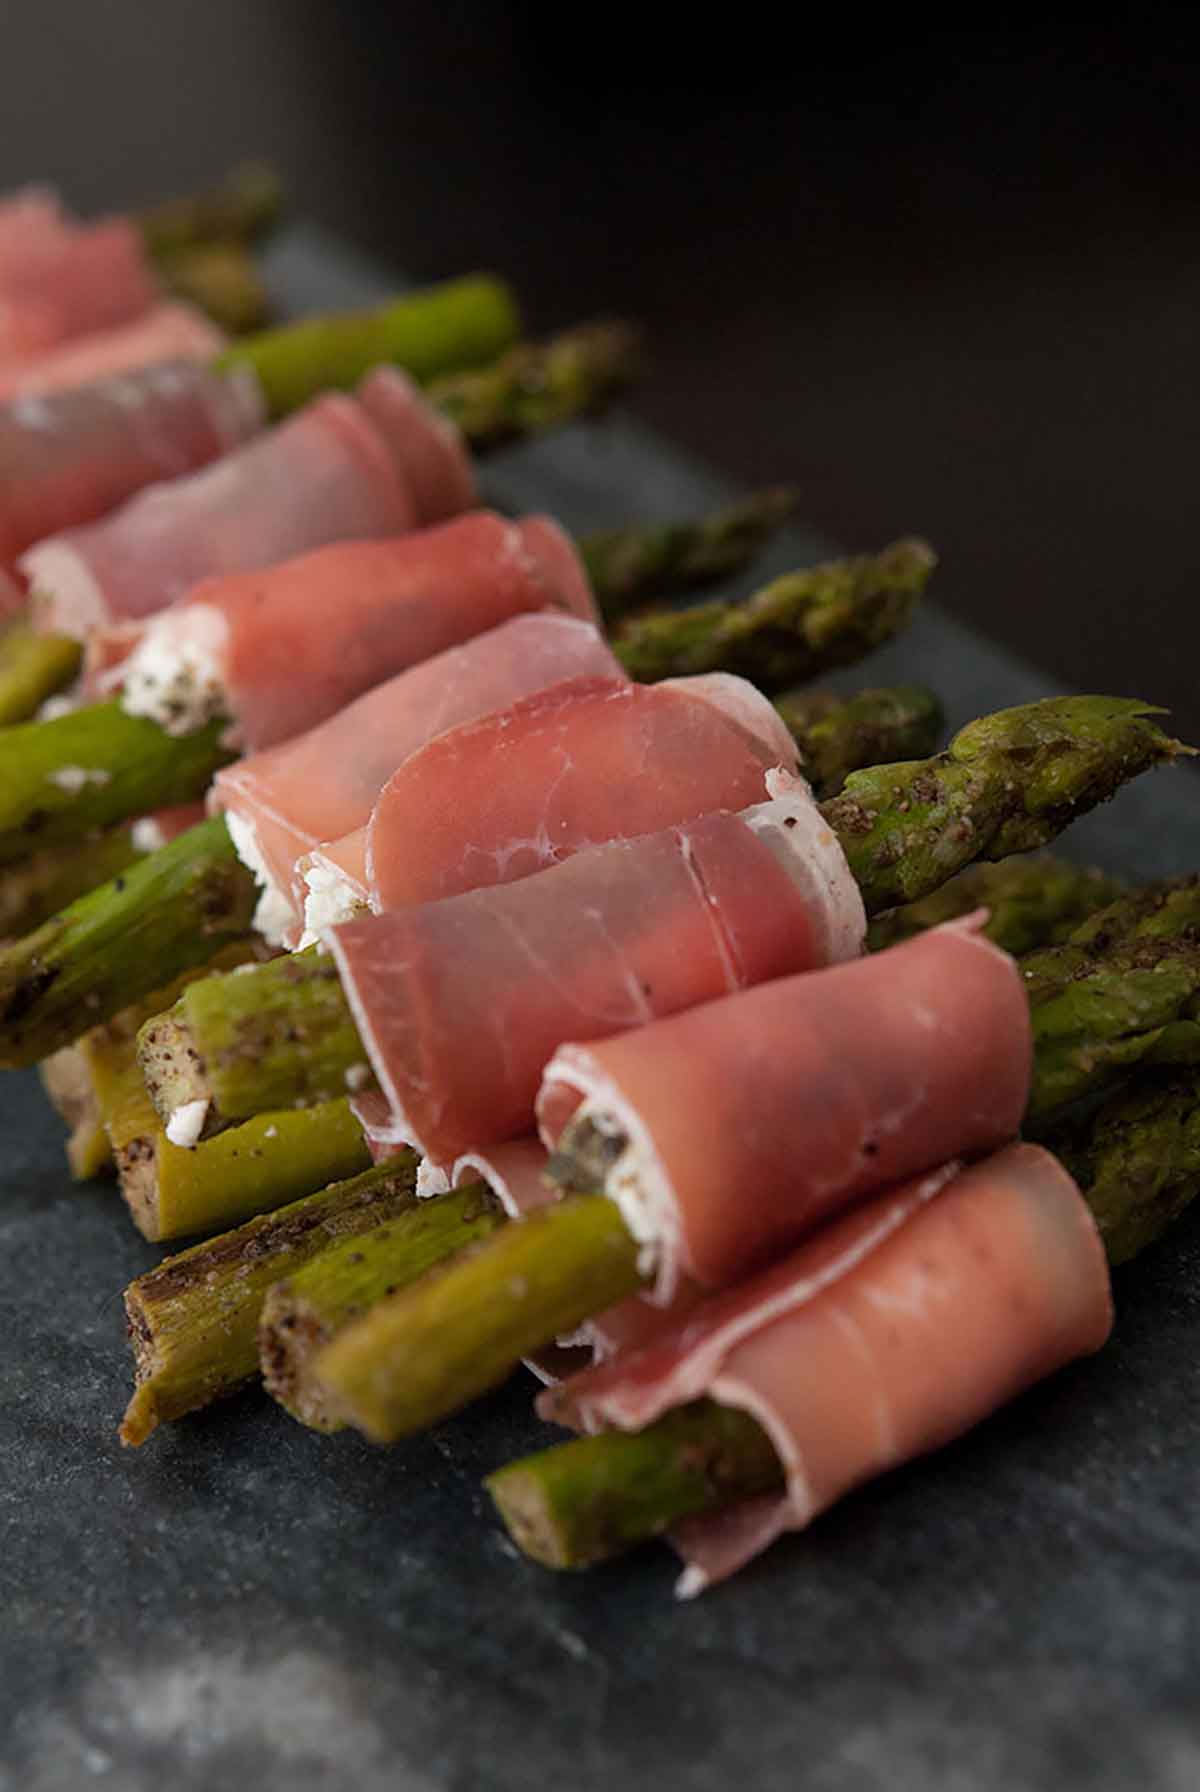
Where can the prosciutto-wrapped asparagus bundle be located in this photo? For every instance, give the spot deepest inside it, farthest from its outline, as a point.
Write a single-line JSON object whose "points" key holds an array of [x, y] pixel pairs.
{"points": [[170, 331], [1139, 1159], [885, 1335]]}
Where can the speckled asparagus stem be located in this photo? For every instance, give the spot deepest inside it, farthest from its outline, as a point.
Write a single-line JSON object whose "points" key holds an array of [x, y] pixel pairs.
{"points": [[794, 629], [647, 562], [839, 735], [242, 208], [172, 910], [1033, 901], [540, 386], [301, 1315], [193, 1321], [32, 668]]}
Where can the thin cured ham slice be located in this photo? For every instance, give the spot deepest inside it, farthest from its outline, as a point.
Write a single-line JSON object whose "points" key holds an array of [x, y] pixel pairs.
{"points": [[459, 1003], [67, 457], [524, 789], [744, 1123], [32, 226], [170, 332], [326, 474], [887, 1334], [280, 650], [428, 446], [282, 803], [76, 280]]}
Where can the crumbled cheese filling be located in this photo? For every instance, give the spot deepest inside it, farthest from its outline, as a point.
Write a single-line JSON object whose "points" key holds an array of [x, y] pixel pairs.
{"points": [[176, 674], [187, 1123], [74, 778], [273, 917], [331, 899]]}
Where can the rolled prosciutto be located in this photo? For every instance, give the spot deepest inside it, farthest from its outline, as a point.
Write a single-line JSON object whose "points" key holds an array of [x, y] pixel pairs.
{"points": [[459, 1003], [170, 332], [282, 803], [329, 473], [280, 650], [523, 789], [738, 1126], [65, 280], [66, 457], [888, 1333]]}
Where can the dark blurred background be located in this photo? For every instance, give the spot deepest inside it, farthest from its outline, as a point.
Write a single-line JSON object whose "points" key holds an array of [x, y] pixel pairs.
{"points": [[945, 283]]}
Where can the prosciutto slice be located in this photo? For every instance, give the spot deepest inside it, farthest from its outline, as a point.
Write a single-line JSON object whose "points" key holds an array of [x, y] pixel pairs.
{"points": [[887, 1334], [459, 1003], [565, 769], [67, 457], [282, 649], [326, 474], [170, 332], [66, 280], [748, 1121], [283, 802]]}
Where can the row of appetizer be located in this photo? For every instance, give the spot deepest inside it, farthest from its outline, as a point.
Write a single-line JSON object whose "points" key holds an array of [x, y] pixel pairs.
{"points": [[528, 971]]}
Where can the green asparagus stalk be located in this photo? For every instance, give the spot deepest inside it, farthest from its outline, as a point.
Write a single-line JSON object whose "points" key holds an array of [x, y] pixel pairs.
{"points": [[92, 768], [839, 735], [792, 630], [39, 886], [243, 208], [300, 1315], [533, 388], [632, 566], [32, 668], [93, 1081], [461, 323], [270, 1161], [1034, 901], [171, 911], [241, 1054], [193, 1321], [223, 280], [1138, 1163], [442, 1343]]}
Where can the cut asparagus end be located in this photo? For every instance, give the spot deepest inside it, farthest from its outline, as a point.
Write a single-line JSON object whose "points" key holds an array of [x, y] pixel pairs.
{"points": [[193, 1321], [463, 1328], [585, 1501], [280, 1035], [300, 1316]]}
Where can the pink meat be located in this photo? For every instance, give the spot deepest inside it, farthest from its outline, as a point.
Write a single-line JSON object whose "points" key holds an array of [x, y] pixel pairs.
{"points": [[326, 474], [83, 278], [298, 641], [69, 456], [887, 1334], [459, 1003], [429, 447], [322, 784], [32, 227], [813, 1090], [11, 595], [170, 332], [568, 768]]}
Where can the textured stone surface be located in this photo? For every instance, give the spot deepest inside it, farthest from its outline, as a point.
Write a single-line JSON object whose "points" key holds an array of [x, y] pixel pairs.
{"points": [[241, 1602]]}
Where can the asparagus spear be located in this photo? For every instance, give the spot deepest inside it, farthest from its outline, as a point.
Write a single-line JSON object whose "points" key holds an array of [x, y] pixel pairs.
{"points": [[223, 279], [88, 1082], [39, 886], [193, 1320], [1034, 901], [243, 208], [840, 735], [301, 1314], [443, 1342], [1028, 771], [630, 566], [171, 911], [1138, 1163], [461, 323], [32, 668], [793, 629]]}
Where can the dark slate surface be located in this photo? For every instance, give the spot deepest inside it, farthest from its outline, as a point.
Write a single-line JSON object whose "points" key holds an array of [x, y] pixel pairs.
{"points": [[240, 1602]]}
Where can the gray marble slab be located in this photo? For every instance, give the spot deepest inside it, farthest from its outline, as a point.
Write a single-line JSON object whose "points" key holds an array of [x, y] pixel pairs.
{"points": [[241, 1603]]}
